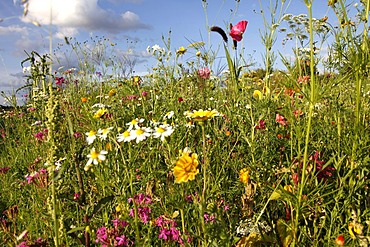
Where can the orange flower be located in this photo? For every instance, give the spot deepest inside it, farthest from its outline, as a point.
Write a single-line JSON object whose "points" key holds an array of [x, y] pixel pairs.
{"points": [[244, 176], [186, 167], [83, 99], [340, 240]]}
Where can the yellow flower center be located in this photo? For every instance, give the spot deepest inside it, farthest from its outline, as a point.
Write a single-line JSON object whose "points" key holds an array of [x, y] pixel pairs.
{"points": [[126, 133], [112, 92], [94, 154], [139, 132], [160, 130], [92, 133], [257, 94], [100, 113]]}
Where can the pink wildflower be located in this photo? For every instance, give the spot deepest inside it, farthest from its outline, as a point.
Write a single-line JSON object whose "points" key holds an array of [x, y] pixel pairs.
{"points": [[261, 125], [280, 119], [59, 81], [204, 73], [237, 31]]}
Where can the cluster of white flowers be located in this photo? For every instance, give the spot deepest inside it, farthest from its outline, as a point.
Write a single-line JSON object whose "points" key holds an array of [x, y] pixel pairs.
{"points": [[159, 52], [139, 133], [247, 227], [136, 131]]}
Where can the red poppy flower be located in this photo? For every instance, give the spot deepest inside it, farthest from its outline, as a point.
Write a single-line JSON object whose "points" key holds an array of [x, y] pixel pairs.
{"points": [[237, 31]]}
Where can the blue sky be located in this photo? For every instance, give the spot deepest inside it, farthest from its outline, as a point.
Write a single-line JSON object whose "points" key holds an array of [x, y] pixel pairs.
{"points": [[132, 24]]}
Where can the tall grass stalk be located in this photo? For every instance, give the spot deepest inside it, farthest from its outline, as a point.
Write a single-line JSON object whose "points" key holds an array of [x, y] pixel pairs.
{"points": [[308, 125], [50, 112], [269, 35], [205, 184]]}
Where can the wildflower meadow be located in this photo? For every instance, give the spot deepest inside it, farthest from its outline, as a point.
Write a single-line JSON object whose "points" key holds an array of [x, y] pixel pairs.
{"points": [[196, 153]]}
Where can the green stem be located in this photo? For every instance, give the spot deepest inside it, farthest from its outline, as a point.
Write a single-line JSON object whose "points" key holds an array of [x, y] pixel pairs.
{"points": [[308, 126], [205, 178]]}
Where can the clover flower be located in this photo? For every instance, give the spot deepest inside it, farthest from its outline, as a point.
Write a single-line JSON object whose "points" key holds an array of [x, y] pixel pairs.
{"points": [[204, 73], [280, 119], [261, 125]]}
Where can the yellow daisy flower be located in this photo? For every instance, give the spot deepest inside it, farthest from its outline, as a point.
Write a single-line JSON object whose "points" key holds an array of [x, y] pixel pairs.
{"points": [[186, 167], [201, 116], [244, 176]]}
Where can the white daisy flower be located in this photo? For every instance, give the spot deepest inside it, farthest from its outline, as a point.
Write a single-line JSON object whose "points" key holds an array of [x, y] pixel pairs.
{"points": [[169, 115], [126, 136], [190, 124], [94, 158], [99, 105], [103, 133], [163, 131], [135, 123], [91, 136], [141, 133]]}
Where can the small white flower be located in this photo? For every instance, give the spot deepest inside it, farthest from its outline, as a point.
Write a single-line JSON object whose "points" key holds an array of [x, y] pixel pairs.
{"points": [[126, 136], [91, 136], [103, 133], [99, 105], [169, 115], [94, 158], [156, 48], [26, 70], [154, 123], [135, 123], [190, 125], [163, 131], [37, 123], [58, 163], [141, 133]]}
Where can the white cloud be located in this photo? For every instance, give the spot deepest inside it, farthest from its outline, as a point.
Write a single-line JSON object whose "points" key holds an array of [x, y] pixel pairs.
{"points": [[13, 29], [66, 32], [85, 14]]}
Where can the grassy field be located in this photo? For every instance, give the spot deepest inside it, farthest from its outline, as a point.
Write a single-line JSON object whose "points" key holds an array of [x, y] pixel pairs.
{"points": [[188, 156]]}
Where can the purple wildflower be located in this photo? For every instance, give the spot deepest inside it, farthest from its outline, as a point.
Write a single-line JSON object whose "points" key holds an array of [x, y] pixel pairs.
{"points": [[59, 81], [101, 236], [4, 170], [121, 241]]}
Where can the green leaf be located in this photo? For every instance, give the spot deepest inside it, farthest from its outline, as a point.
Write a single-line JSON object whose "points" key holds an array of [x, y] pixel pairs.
{"points": [[100, 205], [285, 233], [80, 228]]}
